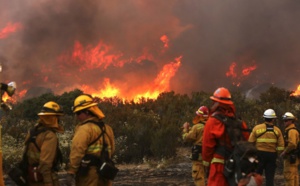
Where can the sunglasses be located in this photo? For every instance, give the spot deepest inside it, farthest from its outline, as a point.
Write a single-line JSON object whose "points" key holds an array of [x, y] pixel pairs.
{"points": [[79, 112]]}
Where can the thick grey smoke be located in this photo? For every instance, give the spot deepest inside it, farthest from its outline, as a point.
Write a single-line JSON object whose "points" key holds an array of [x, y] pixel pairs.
{"points": [[210, 35]]}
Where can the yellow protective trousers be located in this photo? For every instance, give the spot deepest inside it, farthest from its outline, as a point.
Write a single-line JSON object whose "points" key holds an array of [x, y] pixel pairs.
{"points": [[198, 173], [290, 172]]}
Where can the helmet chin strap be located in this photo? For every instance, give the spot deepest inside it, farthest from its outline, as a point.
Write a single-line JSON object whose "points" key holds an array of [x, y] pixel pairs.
{"points": [[214, 107]]}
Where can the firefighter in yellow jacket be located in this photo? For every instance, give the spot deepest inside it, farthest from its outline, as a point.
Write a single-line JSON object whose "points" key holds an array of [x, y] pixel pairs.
{"points": [[88, 143], [42, 147], [291, 161], [194, 135], [269, 141]]}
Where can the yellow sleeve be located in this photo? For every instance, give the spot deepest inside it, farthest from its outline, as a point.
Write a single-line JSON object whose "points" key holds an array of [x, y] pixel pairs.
{"points": [[280, 144], [292, 140], [80, 143], [252, 137]]}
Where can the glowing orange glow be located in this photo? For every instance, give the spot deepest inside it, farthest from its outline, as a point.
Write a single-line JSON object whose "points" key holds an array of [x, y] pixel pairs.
{"points": [[149, 91], [10, 28], [95, 57], [231, 71], [296, 92], [246, 71], [238, 77], [165, 40]]}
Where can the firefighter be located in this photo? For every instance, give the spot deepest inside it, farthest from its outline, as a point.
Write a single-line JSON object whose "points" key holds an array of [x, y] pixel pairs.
{"points": [[289, 155], [269, 141], [42, 148], [215, 136], [194, 135], [89, 141]]}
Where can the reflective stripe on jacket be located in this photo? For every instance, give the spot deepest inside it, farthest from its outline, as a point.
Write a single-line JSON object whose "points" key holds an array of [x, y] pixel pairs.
{"points": [[270, 141]]}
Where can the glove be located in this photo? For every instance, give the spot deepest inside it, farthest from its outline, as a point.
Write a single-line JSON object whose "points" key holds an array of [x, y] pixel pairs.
{"points": [[70, 179], [186, 126]]}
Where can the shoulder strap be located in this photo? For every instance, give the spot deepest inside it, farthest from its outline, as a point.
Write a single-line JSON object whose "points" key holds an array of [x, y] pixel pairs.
{"points": [[269, 128], [33, 133], [101, 125]]}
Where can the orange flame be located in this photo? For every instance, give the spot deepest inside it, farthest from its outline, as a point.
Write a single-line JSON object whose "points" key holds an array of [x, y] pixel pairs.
{"points": [[165, 40], [246, 71], [237, 78], [296, 92], [10, 28], [231, 71], [160, 84]]}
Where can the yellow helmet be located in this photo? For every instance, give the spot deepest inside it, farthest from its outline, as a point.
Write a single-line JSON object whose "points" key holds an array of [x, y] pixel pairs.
{"points": [[51, 108], [82, 102]]}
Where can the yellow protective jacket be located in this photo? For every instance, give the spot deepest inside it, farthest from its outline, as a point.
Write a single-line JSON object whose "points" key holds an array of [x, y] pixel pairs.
{"points": [[48, 143], [195, 134], [291, 138], [85, 133], [269, 141]]}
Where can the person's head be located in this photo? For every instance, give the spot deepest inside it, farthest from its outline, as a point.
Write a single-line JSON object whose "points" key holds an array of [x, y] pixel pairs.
{"points": [[270, 115], [85, 107], [201, 114], [222, 100], [50, 113], [288, 119]]}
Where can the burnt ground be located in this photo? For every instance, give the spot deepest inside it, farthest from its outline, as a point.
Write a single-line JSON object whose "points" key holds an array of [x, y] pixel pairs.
{"points": [[175, 172]]}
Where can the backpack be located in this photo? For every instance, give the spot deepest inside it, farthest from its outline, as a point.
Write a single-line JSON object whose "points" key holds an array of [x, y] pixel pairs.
{"points": [[297, 150], [240, 160], [20, 173]]}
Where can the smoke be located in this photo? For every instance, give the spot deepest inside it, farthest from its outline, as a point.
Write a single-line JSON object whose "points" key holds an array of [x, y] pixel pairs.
{"points": [[209, 35]]}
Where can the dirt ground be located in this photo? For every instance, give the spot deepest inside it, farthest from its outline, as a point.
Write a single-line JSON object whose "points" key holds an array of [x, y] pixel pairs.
{"points": [[175, 172]]}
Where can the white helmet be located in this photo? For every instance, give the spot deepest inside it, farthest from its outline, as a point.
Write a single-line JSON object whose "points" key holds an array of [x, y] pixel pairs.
{"points": [[288, 115], [270, 113]]}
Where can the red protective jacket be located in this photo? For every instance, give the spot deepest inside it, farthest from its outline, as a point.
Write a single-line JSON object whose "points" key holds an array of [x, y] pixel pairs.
{"points": [[213, 132]]}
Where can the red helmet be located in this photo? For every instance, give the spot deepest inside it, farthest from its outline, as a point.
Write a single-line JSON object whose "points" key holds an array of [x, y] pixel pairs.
{"points": [[222, 95], [203, 111]]}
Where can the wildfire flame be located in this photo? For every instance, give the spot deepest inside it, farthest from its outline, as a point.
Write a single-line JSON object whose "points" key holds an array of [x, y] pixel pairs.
{"points": [[103, 55], [238, 77], [296, 92]]}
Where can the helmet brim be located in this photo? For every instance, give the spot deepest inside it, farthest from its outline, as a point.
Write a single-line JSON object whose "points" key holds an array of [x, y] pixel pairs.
{"points": [[84, 107], [227, 102], [49, 114]]}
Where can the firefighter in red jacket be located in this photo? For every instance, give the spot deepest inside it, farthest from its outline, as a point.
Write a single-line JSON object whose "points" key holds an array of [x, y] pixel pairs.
{"points": [[194, 135], [215, 135]]}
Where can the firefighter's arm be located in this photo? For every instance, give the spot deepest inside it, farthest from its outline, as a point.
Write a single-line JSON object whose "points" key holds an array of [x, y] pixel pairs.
{"points": [[80, 142], [246, 132], [252, 137], [280, 146], [111, 137], [191, 136], [47, 156], [213, 128], [292, 142]]}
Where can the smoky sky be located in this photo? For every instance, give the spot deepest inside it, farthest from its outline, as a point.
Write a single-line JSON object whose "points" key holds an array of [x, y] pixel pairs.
{"points": [[209, 35]]}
